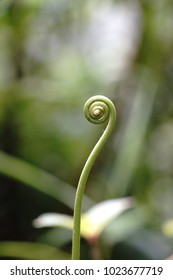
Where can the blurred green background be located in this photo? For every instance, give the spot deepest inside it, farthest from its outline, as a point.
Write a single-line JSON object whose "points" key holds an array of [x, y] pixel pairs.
{"points": [[54, 55]]}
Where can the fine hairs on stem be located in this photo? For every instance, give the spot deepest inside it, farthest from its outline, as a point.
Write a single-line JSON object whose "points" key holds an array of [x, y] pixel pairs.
{"points": [[98, 109]]}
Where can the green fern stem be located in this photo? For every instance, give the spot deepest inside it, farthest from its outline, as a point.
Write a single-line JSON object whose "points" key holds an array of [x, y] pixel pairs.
{"points": [[98, 109]]}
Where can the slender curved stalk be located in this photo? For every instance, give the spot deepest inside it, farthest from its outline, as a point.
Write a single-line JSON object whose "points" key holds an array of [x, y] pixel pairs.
{"points": [[98, 109]]}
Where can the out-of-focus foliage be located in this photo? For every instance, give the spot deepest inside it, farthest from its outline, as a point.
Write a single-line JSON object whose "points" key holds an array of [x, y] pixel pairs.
{"points": [[29, 250], [53, 56]]}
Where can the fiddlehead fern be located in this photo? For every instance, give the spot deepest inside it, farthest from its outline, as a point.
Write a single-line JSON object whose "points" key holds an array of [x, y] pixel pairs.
{"points": [[98, 109]]}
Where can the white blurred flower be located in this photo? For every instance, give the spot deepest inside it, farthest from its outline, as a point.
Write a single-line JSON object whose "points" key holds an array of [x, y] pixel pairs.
{"points": [[93, 221]]}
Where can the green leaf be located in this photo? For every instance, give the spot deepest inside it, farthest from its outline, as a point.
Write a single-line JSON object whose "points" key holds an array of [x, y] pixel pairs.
{"points": [[39, 179], [29, 250], [126, 224]]}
